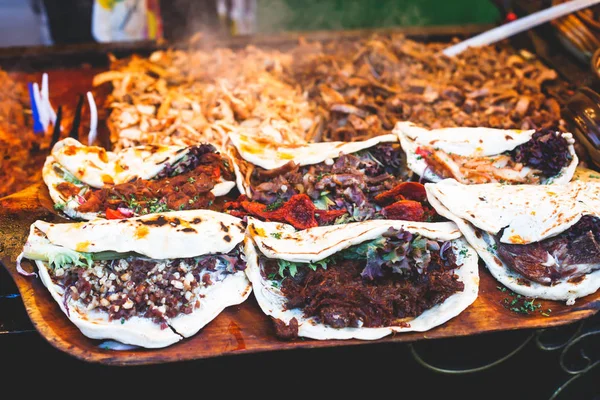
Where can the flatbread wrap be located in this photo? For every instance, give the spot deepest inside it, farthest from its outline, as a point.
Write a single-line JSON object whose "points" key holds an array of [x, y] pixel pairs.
{"points": [[540, 241], [473, 155], [316, 184], [362, 280], [88, 182], [147, 281]]}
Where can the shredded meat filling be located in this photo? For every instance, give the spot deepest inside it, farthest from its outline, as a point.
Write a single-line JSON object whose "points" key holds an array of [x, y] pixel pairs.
{"points": [[187, 190], [340, 296], [356, 187], [569, 255], [544, 156], [154, 289]]}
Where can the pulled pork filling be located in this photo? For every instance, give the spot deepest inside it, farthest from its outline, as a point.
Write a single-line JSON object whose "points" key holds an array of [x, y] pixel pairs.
{"points": [[544, 156], [570, 255], [366, 185], [136, 286], [184, 185], [378, 283]]}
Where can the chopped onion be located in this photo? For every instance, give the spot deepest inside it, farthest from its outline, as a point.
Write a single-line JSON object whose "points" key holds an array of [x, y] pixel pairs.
{"points": [[422, 177], [80, 199], [125, 211], [20, 268], [445, 247]]}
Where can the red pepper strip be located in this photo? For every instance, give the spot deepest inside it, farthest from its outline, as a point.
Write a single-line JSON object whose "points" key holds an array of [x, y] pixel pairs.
{"points": [[239, 214], [403, 191], [236, 204], [407, 210], [254, 208], [114, 214], [216, 174], [299, 211], [425, 153], [325, 217]]}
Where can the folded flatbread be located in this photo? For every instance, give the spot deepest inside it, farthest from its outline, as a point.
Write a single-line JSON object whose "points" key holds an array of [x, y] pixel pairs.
{"points": [[270, 156], [362, 280], [319, 184], [147, 281], [540, 241], [87, 182], [486, 155]]}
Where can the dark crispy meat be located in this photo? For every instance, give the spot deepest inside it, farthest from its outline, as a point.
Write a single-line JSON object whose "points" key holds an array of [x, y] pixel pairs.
{"points": [[528, 261], [185, 191], [146, 288], [583, 250], [339, 297], [286, 332], [67, 189], [363, 88], [568, 255]]}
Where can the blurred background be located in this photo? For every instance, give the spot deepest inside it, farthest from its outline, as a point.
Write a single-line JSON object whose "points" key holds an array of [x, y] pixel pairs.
{"points": [[565, 46], [45, 22]]}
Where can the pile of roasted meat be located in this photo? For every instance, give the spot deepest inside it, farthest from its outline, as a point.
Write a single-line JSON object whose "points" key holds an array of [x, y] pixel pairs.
{"points": [[324, 91], [337, 90], [20, 158]]}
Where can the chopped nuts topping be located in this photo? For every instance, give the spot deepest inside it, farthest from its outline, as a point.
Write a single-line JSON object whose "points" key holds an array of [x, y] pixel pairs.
{"points": [[143, 287]]}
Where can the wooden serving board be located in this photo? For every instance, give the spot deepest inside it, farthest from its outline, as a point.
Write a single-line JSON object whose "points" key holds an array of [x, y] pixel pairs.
{"points": [[243, 328]]}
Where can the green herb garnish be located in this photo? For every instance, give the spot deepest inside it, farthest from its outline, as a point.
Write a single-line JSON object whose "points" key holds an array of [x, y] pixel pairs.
{"points": [[274, 206], [521, 304], [276, 235], [157, 206], [292, 267], [323, 202], [284, 265]]}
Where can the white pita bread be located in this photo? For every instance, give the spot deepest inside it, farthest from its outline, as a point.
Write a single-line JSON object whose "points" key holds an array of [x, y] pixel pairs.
{"points": [[95, 168], [272, 156], [176, 234], [140, 331], [317, 243], [530, 213], [470, 142]]}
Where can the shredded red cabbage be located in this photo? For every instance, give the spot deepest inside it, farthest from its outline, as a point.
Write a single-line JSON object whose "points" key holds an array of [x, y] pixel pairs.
{"points": [[547, 151], [190, 161], [20, 269]]}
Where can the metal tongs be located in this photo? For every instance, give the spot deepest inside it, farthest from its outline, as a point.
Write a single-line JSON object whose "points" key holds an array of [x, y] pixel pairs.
{"points": [[582, 113], [522, 24]]}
